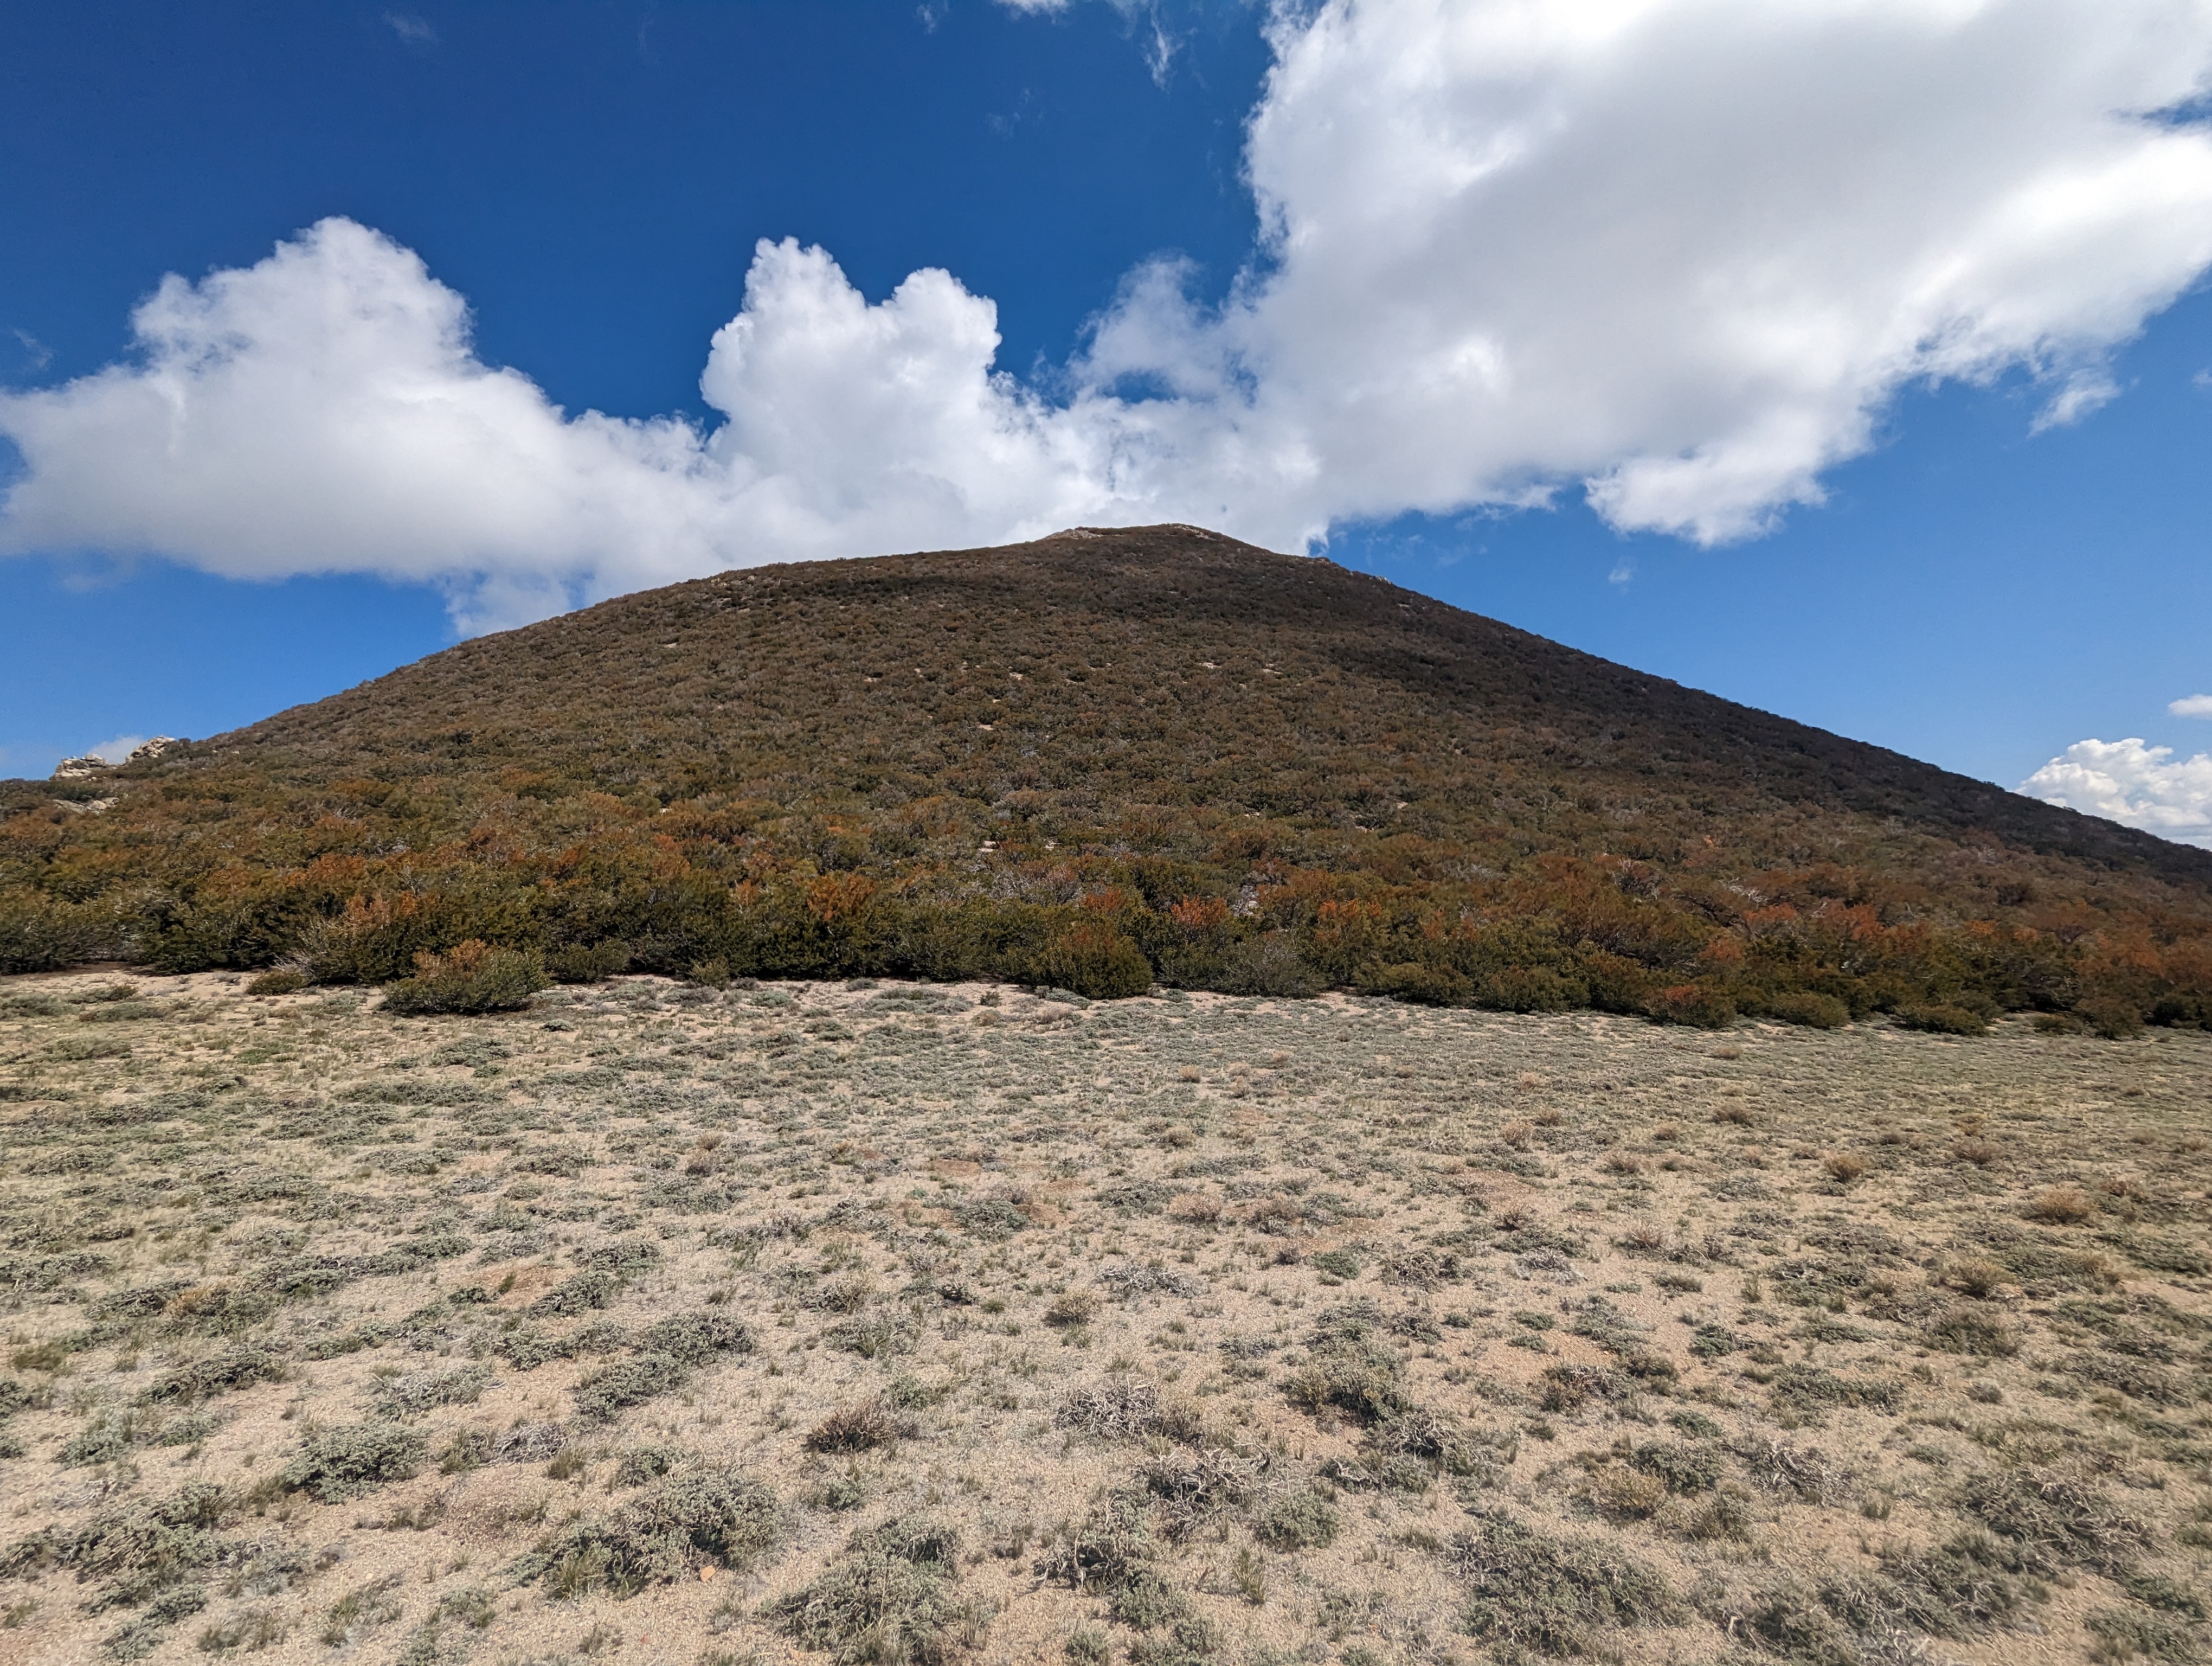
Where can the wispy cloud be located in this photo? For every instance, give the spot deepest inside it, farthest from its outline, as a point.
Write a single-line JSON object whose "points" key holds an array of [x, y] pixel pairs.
{"points": [[39, 355], [414, 30]]}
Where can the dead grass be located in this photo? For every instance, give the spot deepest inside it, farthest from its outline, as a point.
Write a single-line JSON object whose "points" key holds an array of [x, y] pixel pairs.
{"points": [[764, 1320]]}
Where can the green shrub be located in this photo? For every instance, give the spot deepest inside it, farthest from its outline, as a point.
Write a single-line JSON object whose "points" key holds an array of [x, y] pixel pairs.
{"points": [[612, 1388], [1531, 989], [282, 982], [470, 978], [1266, 965], [1815, 1012], [344, 1462], [1525, 1590], [1417, 982], [697, 1337], [1296, 1518], [1097, 961], [587, 963], [699, 1518], [1943, 1018], [2112, 1017], [888, 1600], [41, 933]]}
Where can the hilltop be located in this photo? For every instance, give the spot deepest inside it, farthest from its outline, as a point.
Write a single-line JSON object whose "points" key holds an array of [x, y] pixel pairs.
{"points": [[1098, 760]]}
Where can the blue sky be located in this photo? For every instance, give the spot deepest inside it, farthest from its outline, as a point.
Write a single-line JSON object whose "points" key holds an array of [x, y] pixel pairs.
{"points": [[1976, 584]]}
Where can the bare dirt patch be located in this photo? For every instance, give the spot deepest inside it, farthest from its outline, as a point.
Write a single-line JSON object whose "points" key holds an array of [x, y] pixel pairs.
{"points": [[666, 1323]]}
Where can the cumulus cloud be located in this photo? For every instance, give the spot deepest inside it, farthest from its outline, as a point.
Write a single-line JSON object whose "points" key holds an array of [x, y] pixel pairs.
{"points": [[2192, 705], [1678, 254], [116, 751], [2125, 781]]}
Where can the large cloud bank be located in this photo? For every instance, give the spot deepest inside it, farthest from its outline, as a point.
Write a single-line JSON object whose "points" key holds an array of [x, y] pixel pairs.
{"points": [[2126, 781], [1679, 253]]}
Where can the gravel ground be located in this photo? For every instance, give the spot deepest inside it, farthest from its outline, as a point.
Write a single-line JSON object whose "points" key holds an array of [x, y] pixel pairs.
{"points": [[883, 1322]]}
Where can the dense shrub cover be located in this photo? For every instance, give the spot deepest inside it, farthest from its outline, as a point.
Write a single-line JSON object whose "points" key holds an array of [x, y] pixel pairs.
{"points": [[1098, 762]]}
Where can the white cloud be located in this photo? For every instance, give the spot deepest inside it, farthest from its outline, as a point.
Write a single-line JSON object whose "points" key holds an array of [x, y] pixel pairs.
{"points": [[2192, 705], [413, 30], [117, 750], [1681, 253], [2125, 781]]}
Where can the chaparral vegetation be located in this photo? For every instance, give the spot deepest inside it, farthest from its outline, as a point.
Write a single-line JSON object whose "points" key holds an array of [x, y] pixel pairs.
{"points": [[1103, 762]]}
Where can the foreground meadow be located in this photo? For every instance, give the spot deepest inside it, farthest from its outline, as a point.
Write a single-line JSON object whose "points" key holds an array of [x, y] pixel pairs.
{"points": [[884, 1322]]}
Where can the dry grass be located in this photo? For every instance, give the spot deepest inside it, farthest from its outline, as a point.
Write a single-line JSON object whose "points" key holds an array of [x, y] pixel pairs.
{"points": [[676, 1323]]}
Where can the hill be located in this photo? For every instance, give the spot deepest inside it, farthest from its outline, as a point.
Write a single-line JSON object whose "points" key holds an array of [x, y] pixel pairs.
{"points": [[1095, 760]]}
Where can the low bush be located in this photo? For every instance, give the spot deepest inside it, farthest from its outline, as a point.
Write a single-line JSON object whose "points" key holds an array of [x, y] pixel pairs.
{"points": [[234, 1367], [719, 1518], [1815, 1012], [1119, 1408], [1527, 1590], [470, 978], [854, 1429], [697, 1337], [2053, 1520], [602, 1393], [1351, 1366], [1943, 1018], [1096, 961], [344, 1462], [1691, 1004], [1296, 1518], [888, 1600]]}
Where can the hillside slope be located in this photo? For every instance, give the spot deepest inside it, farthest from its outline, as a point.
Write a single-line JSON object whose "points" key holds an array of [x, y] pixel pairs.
{"points": [[1263, 771]]}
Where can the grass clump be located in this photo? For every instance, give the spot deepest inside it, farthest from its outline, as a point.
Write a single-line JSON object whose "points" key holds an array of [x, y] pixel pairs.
{"points": [[2053, 1520], [854, 1429], [889, 1600], [1525, 1590], [696, 1518]]}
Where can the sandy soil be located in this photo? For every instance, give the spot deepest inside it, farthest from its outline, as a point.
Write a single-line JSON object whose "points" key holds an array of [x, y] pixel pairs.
{"points": [[1170, 1330]]}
